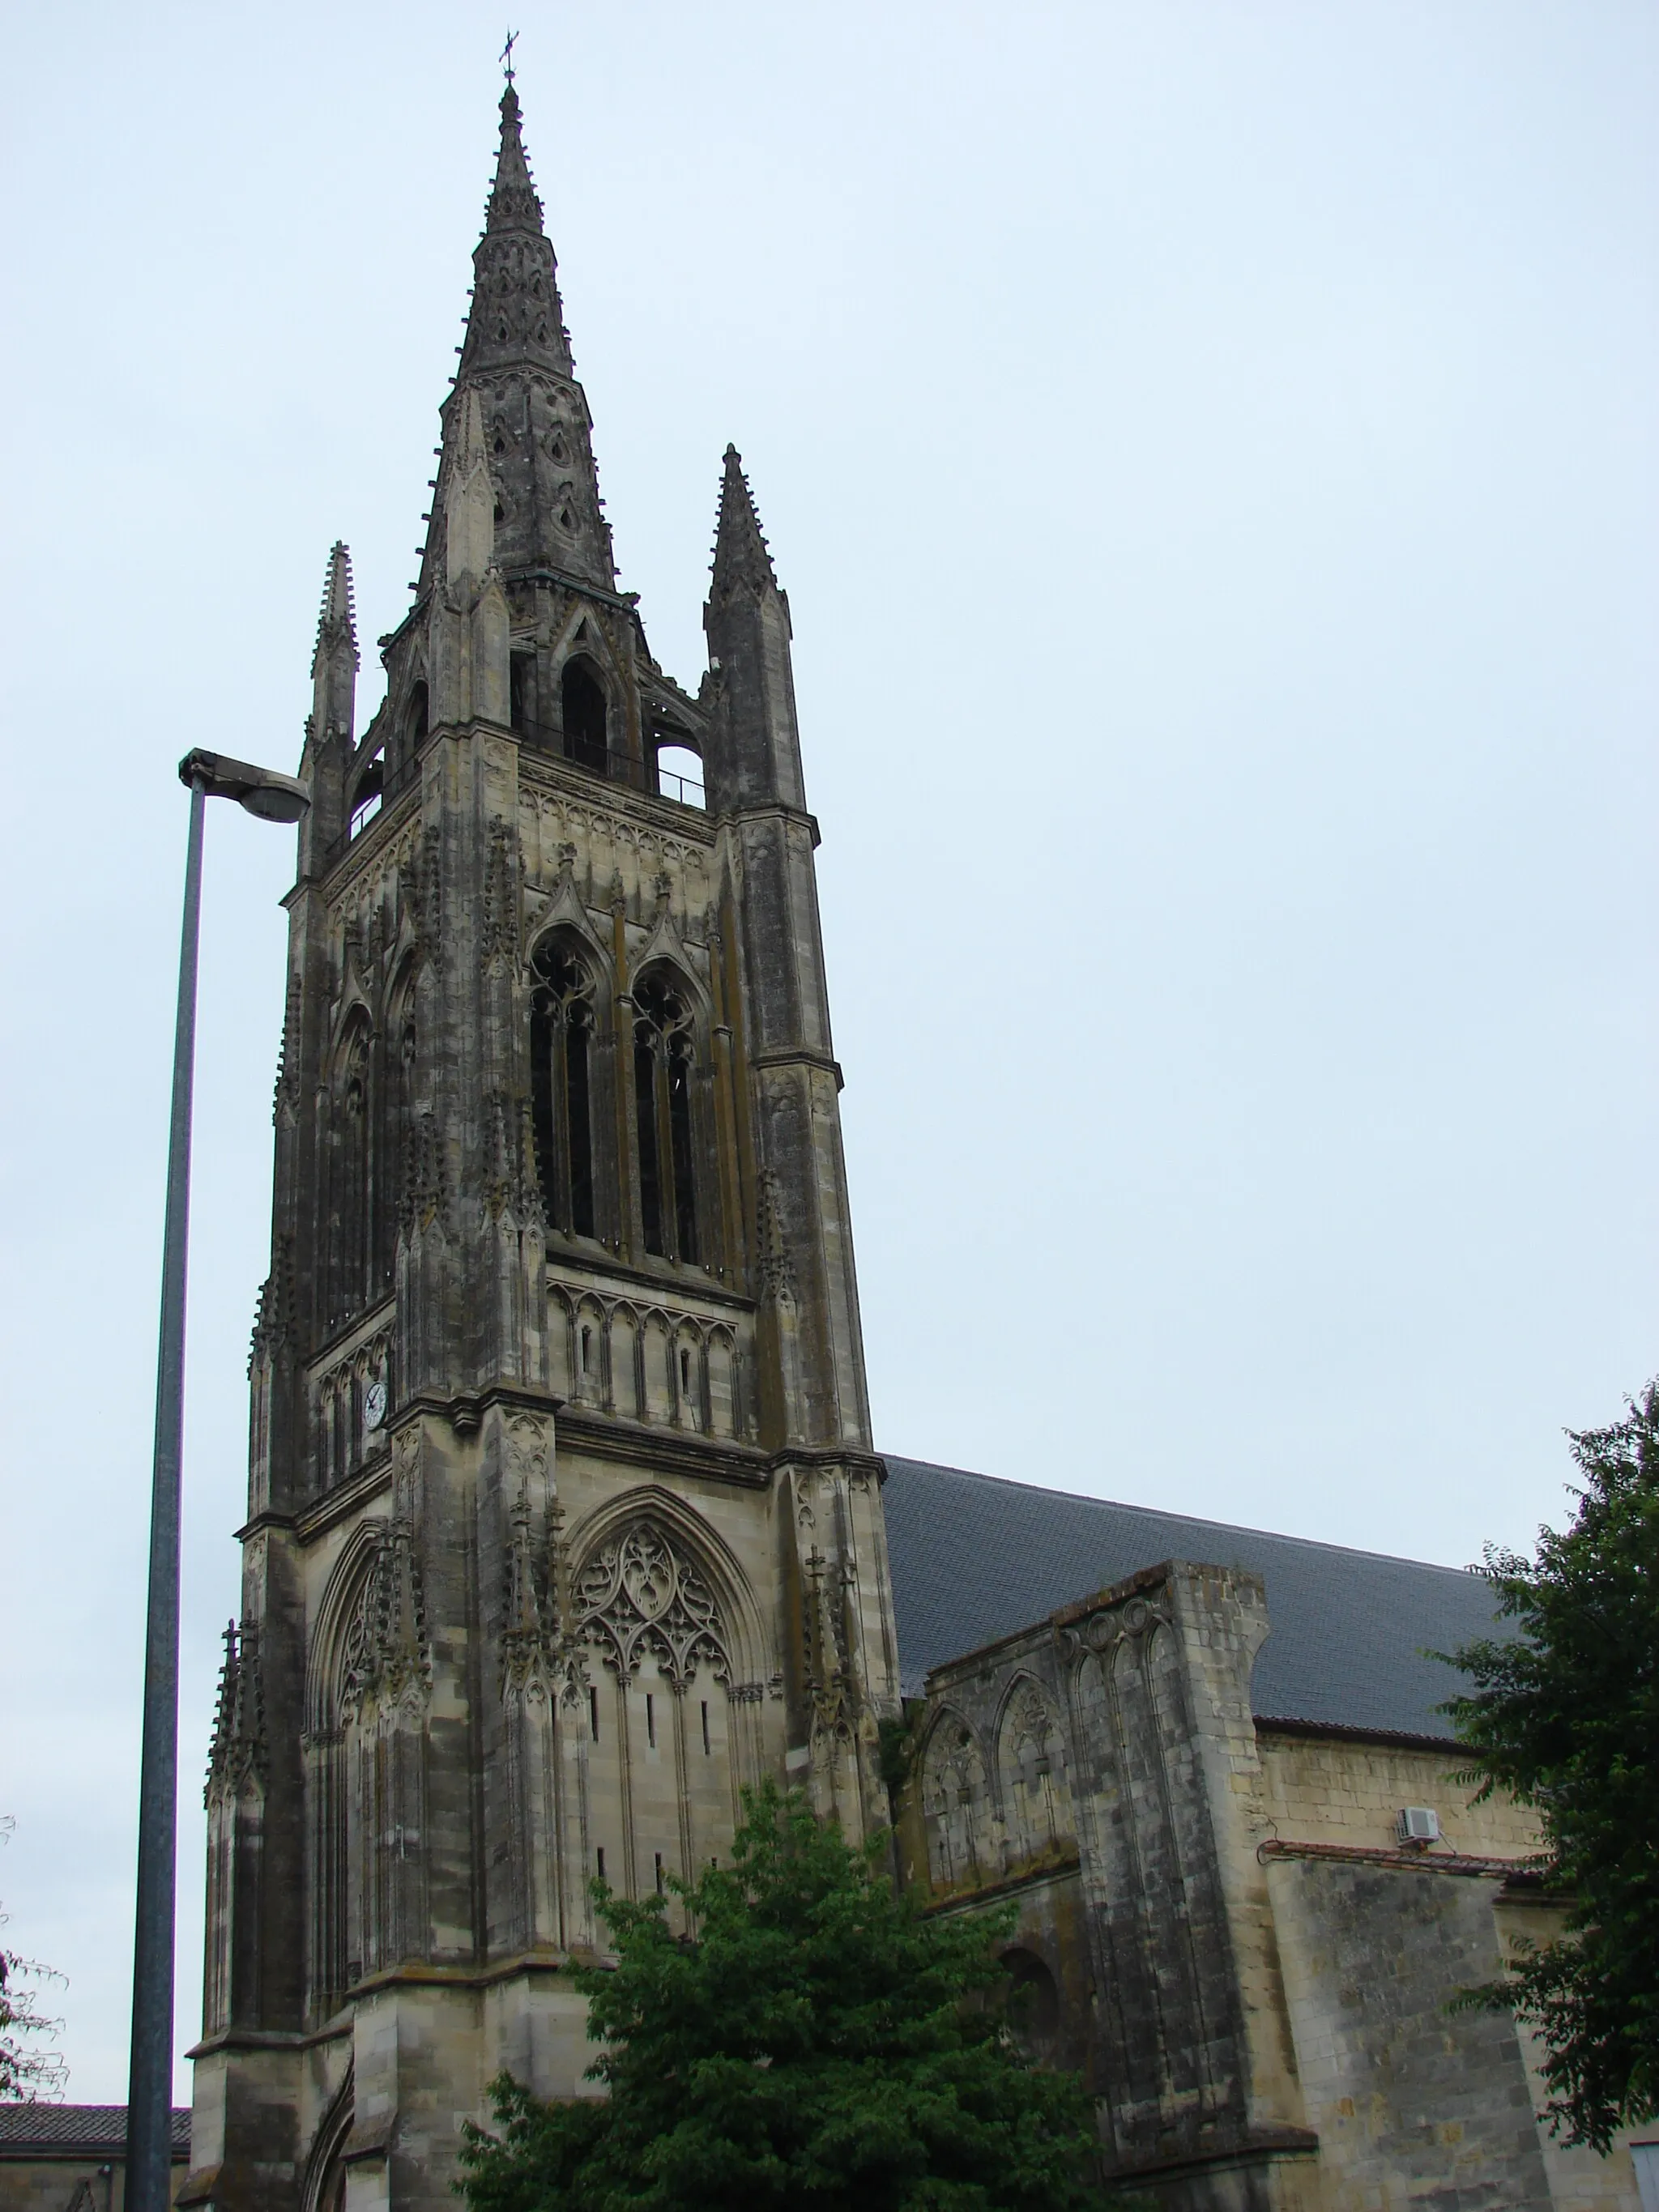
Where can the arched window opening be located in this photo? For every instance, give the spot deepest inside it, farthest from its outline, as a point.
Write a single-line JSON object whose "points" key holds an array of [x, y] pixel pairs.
{"points": [[521, 693], [561, 1038], [679, 773], [416, 716], [585, 741], [1033, 2005], [664, 1056], [368, 794]]}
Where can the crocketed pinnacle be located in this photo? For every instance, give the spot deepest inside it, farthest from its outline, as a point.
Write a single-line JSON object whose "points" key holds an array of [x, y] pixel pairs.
{"points": [[742, 563], [336, 625]]}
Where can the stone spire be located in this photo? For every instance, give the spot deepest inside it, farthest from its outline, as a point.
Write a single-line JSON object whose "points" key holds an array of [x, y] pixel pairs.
{"points": [[742, 563], [516, 314], [516, 368]]}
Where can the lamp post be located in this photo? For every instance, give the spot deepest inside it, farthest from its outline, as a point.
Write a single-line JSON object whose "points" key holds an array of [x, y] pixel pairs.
{"points": [[149, 2093]]}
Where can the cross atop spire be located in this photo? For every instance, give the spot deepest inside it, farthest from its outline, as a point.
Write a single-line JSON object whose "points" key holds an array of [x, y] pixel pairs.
{"points": [[741, 561], [507, 55]]}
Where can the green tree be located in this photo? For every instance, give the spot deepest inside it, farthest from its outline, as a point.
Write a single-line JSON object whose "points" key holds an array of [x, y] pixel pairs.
{"points": [[1564, 1716], [814, 2044]]}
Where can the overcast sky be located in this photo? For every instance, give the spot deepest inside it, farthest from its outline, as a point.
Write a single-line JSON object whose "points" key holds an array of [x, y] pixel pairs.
{"points": [[1210, 449]]}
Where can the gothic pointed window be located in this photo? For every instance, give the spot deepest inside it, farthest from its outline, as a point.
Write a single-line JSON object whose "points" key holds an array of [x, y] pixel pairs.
{"points": [[561, 1044], [586, 738], [665, 1056], [415, 716]]}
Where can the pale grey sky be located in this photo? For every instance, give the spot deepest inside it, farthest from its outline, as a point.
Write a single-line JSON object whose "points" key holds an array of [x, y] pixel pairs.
{"points": [[1210, 449]]}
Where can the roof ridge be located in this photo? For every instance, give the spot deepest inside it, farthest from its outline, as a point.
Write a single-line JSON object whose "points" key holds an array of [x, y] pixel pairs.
{"points": [[1194, 1519]]}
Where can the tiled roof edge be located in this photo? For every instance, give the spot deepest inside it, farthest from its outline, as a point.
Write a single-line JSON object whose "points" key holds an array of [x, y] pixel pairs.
{"points": [[1194, 1519], [1402, 1739]]}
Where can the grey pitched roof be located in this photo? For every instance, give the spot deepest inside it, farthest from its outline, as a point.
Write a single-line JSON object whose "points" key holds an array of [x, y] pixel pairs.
{"points": [[974, 1558], [68, 2130]]}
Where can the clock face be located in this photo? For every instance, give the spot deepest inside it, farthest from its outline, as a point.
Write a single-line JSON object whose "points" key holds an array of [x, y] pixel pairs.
{"points": [[375, 1405]]}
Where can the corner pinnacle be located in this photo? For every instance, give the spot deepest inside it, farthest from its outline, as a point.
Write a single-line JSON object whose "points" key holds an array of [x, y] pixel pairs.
{"points": [[741, 558]]}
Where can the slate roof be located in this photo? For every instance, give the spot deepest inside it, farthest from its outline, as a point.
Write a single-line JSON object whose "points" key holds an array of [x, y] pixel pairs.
{"points": [[975, 1558], [72, 2130]]}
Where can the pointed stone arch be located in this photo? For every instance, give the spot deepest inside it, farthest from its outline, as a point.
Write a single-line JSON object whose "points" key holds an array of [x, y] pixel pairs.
{"points": [[954, 1770], [1033, 1789]]}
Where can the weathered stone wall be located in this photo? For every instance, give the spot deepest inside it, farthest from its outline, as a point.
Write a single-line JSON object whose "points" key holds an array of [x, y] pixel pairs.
{"points": [[1412, 2103], [1218, 1924], [1330, 1788]]}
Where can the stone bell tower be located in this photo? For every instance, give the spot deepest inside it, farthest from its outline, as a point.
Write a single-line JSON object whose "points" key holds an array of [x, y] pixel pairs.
{"points": [[564, 1521]]}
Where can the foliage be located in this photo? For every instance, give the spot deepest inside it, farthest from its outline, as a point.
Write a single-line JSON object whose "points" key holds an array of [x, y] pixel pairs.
{"points": [[1565, 1718], [816, 2044], [28, 2074]]}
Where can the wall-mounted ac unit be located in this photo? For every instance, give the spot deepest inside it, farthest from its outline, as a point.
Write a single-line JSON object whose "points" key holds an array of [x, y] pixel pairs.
{"points": [[1418, 1824]]}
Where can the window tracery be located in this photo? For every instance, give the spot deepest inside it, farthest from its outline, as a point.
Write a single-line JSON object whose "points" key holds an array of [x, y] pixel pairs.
{"points": [[639, 1594], [562, 1019], [664, 1055]]}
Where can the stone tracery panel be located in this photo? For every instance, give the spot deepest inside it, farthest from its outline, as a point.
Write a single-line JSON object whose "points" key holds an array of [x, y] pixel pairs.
{"points": [[638, 1594]]}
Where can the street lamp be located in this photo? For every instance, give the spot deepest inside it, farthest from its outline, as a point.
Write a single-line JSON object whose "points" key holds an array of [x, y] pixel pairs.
{"points": [[150, 2093]]}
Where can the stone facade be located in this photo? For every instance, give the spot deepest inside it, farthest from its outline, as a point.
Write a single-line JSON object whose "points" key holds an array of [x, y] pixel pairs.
{"points": [[1218, 1923], [563, 1520]]}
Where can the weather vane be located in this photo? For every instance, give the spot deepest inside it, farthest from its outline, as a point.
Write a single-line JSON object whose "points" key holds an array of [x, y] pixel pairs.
{"points": [[507, 54]]}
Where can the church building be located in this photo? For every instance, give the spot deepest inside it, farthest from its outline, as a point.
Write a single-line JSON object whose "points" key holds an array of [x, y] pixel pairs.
{"points": [[565, 1517]]}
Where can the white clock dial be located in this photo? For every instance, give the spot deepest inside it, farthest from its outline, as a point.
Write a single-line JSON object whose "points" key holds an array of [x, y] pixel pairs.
{"points": [[375, 1405]]}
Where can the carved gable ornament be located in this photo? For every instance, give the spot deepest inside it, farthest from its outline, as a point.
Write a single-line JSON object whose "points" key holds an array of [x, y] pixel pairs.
{"points": [[639, 1593]]}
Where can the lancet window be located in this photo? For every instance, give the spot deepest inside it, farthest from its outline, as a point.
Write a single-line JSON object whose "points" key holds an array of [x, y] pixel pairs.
{"points": [[560, 1042], [665, 1056], [349, 1178]]}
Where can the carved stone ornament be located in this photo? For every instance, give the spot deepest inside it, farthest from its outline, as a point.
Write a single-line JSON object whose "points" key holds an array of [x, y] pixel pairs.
{"points": [[639, 1593]]}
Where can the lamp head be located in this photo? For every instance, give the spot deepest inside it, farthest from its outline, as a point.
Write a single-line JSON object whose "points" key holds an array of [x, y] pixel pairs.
{"points": [[260, 791]]}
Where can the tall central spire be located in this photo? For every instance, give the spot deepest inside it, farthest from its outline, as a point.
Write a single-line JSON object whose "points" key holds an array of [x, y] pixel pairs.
{"points": [[516, 360], [516, 312]]}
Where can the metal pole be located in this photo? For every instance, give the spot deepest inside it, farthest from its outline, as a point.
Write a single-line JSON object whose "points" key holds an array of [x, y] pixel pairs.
{"points": [[150, 2093]]}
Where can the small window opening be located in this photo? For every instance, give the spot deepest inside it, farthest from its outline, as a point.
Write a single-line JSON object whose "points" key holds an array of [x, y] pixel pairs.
{"points": [[415, 716], [657, 1856], [679, 774], [501, 443], [521, 690], [599, 1856], [586, 739], [366, 797], [500, 512], [685, 1372], [593, 1721], [650, 1720], [705, 1733], [587, 1347]]}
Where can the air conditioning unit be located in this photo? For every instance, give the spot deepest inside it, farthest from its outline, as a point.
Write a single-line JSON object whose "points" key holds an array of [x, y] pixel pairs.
{"points": [[1418, 1824]]}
